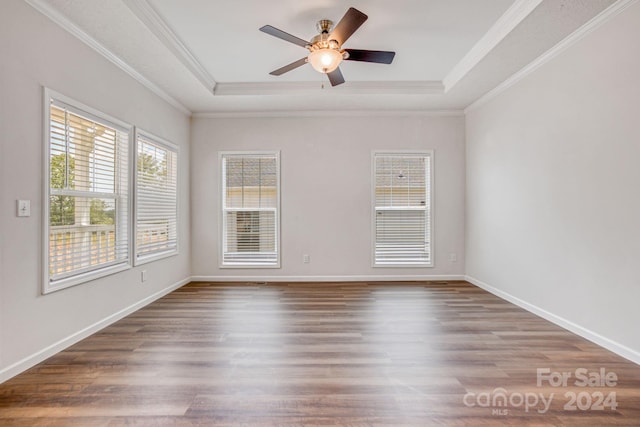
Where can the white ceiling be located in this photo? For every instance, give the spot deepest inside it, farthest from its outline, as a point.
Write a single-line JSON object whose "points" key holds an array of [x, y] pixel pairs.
{"points": [[209, 57], [227, 42]]}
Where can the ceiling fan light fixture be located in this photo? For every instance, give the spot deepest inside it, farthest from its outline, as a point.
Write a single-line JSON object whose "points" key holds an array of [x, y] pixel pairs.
{"points": [[325, 60], [325, 48]]}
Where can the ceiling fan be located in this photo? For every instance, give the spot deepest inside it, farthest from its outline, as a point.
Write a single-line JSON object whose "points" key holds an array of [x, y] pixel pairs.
{"points": [[325, 49]]}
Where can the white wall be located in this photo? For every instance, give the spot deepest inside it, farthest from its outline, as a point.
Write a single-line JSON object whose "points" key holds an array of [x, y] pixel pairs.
{"points": [[553, 199], [325, 190], [36, 52]]}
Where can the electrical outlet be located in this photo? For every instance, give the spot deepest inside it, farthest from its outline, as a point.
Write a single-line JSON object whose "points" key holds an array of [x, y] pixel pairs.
{"points": [[453, 257], [143, 275], [306, 258]]}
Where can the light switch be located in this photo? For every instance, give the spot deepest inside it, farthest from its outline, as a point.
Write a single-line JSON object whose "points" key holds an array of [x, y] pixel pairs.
{"points": [[24, 207]]}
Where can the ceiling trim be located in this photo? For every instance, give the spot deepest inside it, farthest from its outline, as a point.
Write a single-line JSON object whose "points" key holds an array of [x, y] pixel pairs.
{"points": [[503, 26], [349, 88], [74, 30], [327, 113], [157, 25], [586, 29]]}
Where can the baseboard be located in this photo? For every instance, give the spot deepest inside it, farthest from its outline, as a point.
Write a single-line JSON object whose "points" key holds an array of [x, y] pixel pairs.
{"points": [[376, 278], [64, 343], [598, 339]]}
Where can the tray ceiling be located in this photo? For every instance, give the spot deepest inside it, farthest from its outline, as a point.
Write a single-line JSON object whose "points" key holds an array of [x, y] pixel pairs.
{"points": [[209, 57]]}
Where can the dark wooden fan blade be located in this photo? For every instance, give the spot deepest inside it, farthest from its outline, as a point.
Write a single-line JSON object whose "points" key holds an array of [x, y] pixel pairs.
{"points": [[273, 31], [379, 56], [335, 77], [292, 66], [350, 22]]}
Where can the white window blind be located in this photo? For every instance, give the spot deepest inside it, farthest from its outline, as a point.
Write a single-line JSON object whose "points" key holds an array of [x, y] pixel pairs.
{"points": [[156, 198], [250, 205], [88, 197], [402, 209]]}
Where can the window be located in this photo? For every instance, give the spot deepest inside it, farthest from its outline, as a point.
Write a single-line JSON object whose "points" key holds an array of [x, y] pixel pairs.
{"points": [[156, 204], [87, 193], [250, 210], [402, 209]]}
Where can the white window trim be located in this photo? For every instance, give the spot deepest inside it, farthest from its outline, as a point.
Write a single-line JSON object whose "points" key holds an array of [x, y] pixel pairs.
{"points": [[170, 146], [221, 155], [47, 285], [426, 153]]}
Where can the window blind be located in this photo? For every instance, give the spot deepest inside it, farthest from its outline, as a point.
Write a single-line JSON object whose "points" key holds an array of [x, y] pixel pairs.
{"points": [[88, 193], [250, 210], [156, 198], [402, 209]]}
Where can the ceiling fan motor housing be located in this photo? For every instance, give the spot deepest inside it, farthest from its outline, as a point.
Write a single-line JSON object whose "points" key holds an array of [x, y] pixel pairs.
{"points": [[323, 40]]}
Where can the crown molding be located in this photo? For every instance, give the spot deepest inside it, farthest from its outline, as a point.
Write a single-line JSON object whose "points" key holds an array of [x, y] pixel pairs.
{"points": [[55, 16], [503, 26], [326, 113], [157, 25], [597, 21], [348, 88]]}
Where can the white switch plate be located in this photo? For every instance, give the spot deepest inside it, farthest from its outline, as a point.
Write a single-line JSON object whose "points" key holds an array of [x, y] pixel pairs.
{"points": [[143, 275], [306, 259], [23, 207]]}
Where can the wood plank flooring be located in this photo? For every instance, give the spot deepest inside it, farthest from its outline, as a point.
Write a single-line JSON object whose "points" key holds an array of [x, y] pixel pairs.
{"points": [[350, 354]]}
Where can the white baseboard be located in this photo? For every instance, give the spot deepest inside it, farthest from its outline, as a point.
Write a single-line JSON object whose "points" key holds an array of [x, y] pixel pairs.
{"points": [[607, 343], [40, 356], [376, 278]]}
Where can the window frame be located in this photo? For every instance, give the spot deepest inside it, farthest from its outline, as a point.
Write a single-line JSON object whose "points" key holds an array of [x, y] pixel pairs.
{"points": [[429, 208], [163, 143], [51, 97], [221, 210]]}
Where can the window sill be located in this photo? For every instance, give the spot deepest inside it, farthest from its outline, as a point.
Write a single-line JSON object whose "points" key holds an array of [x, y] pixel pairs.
{"points": [[52, 286], [145, 259]]}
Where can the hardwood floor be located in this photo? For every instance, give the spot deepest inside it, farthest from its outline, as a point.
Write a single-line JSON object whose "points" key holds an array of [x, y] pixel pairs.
{"points": [[353, 354]]}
